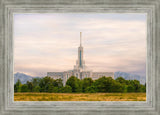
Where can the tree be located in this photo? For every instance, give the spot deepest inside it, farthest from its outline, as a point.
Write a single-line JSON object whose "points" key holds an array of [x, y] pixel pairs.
{"points": [[104, 84], [36, 81], [58, 83], [51, 88], [24, 88], [44, 83], [55, 89], [121, 80], [30, 86], [90, 89], [117, 87], [130, 88], [17, 86], [142, 88], [67, 89], [75, 84], [36, 89], [86, 82], [136, 85]]}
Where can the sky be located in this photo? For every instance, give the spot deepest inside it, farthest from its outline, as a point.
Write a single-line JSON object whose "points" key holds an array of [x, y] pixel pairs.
{"points": [[49, 42]]}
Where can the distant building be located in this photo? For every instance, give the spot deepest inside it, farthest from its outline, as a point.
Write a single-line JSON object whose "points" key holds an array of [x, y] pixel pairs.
{"points": [[80, 70]]}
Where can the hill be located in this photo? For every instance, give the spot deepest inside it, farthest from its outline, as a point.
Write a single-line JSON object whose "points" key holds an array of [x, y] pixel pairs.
{"points": [[129, 76], [23, 77]]}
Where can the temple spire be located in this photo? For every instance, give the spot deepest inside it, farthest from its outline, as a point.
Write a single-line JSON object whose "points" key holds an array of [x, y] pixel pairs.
{"points": [[80, 38]]}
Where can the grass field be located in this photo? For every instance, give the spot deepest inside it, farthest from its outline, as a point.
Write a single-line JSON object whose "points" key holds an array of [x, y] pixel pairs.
{"points": [[79, 96]]}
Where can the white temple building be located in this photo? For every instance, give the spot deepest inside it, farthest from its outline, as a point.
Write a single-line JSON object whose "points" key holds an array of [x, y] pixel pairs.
{"points": [[80, 69]]}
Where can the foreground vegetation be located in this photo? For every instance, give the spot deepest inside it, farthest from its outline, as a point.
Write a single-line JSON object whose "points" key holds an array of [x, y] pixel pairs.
{"points": [[75, 85], [80, 97]]}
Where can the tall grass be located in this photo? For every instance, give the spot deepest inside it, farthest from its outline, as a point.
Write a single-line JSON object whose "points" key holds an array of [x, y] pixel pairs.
{"points": [[80, 97]]}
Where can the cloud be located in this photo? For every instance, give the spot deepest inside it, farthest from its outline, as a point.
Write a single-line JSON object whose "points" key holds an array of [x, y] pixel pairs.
{"points": [[49, 42]]}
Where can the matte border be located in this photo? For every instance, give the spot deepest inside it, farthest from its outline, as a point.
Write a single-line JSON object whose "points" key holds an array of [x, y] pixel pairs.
{"points": [[10, 7]]}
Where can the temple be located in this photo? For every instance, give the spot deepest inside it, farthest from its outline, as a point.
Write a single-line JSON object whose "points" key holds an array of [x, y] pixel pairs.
{"points": [[80, 70]]}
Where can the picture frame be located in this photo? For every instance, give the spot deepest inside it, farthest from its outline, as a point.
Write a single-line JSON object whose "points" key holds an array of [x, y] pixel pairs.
{"points": [[7, 104]]}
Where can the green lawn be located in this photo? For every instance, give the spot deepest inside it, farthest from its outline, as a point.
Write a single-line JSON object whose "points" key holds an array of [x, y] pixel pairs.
{"points": [[79, 96]]}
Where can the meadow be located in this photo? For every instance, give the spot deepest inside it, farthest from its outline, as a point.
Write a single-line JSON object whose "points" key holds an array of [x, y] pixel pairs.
{"points": [[79, 96]]}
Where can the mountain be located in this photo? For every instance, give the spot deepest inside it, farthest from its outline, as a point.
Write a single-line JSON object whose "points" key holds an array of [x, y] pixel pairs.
{"points": [[129, 76], [23, 77]]}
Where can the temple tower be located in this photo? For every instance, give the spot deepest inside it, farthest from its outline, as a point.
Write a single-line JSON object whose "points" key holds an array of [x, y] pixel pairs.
{"points": [[80, 53]]}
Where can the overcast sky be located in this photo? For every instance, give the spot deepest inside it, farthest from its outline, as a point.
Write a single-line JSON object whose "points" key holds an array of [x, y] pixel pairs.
{"points": [[49, 42]]}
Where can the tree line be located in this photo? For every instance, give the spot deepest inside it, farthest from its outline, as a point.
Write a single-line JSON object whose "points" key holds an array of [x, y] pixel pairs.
{"points": [[75, 85]]}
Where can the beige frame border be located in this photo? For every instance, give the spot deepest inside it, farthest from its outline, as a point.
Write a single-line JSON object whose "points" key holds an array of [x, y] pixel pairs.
{"points": [[8, 8]]}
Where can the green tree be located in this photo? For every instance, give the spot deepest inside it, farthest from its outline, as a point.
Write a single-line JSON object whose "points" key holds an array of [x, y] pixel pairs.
{"points": [[121, 80], [86, 82], [55, 89], [17, 86], [36, 81], [44, 83], [24, 88], [58, 83], [30, 86], [142, 88], [117, 87], [104, 84], [136, 85], [67, 89], [51, 88], [36, 89], [90, 89], [130, 88], [75, 84]]}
